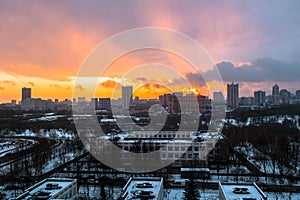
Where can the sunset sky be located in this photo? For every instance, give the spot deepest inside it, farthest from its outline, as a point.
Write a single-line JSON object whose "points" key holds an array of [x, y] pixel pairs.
{"points": [[43, 43]]}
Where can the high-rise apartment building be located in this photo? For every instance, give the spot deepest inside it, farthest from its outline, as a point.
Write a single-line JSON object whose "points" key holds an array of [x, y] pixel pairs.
{"points": [[275, 94], [218, 98], [127, 93], [94, 103], [260, 98], [188, 103], [81, 102], [26, 93], [298, 94], [246, 101], [285, 96], [164, 99], [105, 104], [232, 96]]}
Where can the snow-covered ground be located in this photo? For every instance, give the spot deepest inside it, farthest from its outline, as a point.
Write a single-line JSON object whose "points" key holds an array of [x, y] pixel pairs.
{"points": [[52, 133], [11, 146], [5, 147], [282, 196], [265, 166], [51, 164], [47, 117], [273, 119]]}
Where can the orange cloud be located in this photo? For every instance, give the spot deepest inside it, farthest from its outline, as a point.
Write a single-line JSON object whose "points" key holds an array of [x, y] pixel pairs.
{"points": [[109, 84], [11, 83], [47, 48], [80, 87], [31, 83], [55, 85], [151, 90], [128, 62]]}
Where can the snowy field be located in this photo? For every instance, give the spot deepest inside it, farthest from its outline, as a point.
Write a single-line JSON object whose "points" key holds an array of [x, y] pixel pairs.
{"points": [[11, 146], [52, 133], [273, 119]]}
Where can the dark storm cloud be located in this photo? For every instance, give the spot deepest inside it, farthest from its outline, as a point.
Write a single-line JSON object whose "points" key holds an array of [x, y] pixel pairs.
{"points": [[260, 70], [178, 81], [195, 79], [141, 79], [190, 78]]}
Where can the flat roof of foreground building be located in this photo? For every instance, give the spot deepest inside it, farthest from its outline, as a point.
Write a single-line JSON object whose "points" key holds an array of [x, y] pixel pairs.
{"points": [[51, 188], [233, 191], [143, 188]]}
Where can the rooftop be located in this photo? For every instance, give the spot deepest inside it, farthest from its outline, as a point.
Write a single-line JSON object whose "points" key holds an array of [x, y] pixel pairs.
{"points": [[241, 191], [142, 187], [165, 136], [47, 188]]}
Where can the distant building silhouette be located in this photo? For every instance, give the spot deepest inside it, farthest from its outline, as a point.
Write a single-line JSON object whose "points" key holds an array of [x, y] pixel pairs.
{"points": [[94, 103], [26, 93], [246, 101], [218, 98], [284, 96], [104, 104], [275, 95], [81, 102], [260, 98], [298, 94], [177, 103], [37, 104], [127, 93], [29, 103], [14, 102], [164, 99], [232, 96]]}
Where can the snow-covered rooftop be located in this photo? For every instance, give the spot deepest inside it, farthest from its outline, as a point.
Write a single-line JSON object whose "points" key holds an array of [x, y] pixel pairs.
{"points": [[166, 136], [233, 191], [142, 187], [47, 188], [107, 120]]}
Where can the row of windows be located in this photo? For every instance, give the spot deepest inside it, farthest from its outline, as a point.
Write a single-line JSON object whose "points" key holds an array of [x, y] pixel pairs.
{"points": [[157, 146], [182, 135], [182, 148], [177, 155], [194, 148], [186, 155]]}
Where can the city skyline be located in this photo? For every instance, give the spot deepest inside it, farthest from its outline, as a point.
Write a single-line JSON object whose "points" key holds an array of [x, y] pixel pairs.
{"points": [[117, 93], [259, 96], [256, 51]]}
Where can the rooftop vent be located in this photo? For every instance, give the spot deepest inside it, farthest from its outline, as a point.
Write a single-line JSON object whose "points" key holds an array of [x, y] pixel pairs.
{"points": [[238, 190], [52, 186], [41, 195], [144, 185], [145, 195]]}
